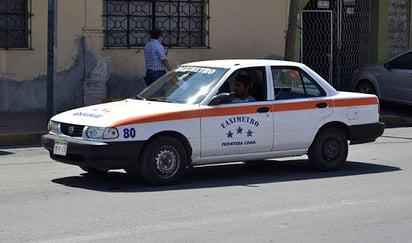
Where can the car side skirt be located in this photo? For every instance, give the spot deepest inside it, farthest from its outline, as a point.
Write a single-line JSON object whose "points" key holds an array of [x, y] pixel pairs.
{"points": [[251, 156]]}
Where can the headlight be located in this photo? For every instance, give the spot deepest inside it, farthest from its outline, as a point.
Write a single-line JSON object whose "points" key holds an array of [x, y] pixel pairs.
{"points": [[110, 133], [101, 132], [54, 127]]}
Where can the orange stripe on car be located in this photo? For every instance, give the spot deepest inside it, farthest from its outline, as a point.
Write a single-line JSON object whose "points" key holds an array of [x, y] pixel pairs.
{"points": [[189, 114], [243, 110], [304, 105], [168, 116], [356, 102]]}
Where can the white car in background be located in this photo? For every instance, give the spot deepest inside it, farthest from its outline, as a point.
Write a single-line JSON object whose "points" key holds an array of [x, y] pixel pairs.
{"points": [[186, 118]]}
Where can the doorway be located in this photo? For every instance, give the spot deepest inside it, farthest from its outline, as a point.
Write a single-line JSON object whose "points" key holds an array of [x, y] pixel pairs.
{"points": [[335, 38]]}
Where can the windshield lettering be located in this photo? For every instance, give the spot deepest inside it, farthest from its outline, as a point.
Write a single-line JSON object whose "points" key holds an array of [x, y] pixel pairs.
{"points": [[196, 70]]}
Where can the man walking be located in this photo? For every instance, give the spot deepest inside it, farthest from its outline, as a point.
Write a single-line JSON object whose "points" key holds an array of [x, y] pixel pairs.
{"points": [[155, 57]]}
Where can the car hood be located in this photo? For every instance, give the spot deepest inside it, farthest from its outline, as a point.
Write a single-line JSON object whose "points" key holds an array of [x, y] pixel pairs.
{"points": [[115, 113]]}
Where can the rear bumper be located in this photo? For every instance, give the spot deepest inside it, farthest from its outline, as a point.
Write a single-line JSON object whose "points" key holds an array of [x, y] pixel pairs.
{"points": [[92, 154], [366, 132]]}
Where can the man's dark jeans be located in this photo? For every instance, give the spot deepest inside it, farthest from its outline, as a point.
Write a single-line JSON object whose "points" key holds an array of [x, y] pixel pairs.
{"points": [[153, 75]]}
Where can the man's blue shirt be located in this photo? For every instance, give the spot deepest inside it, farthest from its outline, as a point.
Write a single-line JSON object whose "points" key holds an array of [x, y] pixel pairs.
{"points": [[154, 53]]}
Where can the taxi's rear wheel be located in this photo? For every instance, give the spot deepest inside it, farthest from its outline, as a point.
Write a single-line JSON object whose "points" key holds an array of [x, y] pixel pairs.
{"points": [[164, 161], [329, 150]]}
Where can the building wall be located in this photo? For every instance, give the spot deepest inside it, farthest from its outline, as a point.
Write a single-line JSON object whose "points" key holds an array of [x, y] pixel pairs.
{"points": [[20, 65], [23, 72], [238, 29], [398, 21], [391, 28]]}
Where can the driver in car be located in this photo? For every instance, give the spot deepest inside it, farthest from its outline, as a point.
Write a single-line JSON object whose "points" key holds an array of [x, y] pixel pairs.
{"points": [[242, 90]]}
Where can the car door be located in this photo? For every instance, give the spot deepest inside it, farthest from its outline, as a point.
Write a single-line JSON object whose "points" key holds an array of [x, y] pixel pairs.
{"points": [[300, 105], [396, 82], [239, 128]]}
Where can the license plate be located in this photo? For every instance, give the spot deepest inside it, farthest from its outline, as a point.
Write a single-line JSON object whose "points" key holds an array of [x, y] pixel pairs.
{"points": [[60, 148]]}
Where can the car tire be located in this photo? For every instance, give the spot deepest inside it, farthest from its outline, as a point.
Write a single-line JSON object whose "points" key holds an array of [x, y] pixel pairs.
{"points": [[164, 161], [329, 150], [366, 87]]}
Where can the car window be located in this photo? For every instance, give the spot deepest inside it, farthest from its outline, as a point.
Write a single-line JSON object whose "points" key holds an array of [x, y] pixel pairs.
{"points": [[186, 85], [290, 83], [257, 77], [402, 62]]}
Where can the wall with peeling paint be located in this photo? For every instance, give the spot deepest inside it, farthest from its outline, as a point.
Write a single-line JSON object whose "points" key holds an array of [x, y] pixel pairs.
{"points": [[238, 29], [23, 80]]}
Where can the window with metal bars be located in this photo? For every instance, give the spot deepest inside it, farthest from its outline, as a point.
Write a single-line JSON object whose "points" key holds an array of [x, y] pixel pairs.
{"points": [[184, 23], [15, 24]]}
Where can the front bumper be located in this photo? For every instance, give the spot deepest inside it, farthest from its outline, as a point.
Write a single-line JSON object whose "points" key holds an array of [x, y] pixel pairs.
{"points": [[93, 154], [366, 133]]}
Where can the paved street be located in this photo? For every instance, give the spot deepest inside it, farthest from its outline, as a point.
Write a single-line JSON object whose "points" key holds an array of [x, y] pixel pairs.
{"points": [[369, 200]]}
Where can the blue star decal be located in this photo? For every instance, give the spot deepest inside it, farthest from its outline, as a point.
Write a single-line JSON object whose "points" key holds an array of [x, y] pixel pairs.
{"points": [[249, 133], [239, 130], [230, 134]]}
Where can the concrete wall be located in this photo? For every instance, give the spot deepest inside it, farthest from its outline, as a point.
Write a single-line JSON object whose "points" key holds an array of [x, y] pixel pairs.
{"points": [[398, 21], [23, 72], [238, 29], [391, 28]]}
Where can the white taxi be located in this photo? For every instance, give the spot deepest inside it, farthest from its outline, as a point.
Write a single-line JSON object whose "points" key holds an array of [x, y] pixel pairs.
{"points": [[187, 118]]}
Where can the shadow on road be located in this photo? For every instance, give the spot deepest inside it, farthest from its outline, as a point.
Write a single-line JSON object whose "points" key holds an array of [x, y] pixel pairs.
{"points": [[237, 174], [2, 152]]}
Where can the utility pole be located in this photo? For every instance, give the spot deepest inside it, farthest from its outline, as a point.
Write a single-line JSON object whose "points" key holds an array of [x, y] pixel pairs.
{"points": [[291, 31], [51, 55]]}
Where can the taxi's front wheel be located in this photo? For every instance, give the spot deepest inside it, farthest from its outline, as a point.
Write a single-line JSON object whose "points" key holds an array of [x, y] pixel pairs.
{"points": [[329, 150], [163, 162]]}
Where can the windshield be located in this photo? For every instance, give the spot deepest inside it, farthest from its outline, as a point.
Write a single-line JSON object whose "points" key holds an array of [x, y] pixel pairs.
{"points": [[186, 85]]}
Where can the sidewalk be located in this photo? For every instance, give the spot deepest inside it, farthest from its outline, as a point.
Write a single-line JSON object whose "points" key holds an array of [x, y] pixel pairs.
{"points": [[26, 128], [22, 128]]}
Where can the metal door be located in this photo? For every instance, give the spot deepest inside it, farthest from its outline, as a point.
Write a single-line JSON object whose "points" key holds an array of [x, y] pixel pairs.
{"points": [[335, 38], [317, 41]]}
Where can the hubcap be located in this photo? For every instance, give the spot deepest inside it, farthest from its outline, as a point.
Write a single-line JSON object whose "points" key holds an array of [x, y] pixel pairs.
{"points": [[166, 162], [365, 89], [330, 149]]}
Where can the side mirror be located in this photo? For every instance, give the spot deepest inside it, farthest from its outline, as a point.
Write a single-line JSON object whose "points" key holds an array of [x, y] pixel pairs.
{"points": [[222, 98], [388, 65]]}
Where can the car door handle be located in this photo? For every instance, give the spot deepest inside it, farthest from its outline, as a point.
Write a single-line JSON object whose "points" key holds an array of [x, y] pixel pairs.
{"points": [[263, 109], [322, 105]]}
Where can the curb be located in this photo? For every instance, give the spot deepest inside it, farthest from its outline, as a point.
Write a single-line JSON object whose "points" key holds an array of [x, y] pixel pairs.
{"points": [[31, 138]]}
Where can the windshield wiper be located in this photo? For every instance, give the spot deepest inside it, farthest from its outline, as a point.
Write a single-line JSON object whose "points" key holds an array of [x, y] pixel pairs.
{"points": [[138, 97], [161, 99]]}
